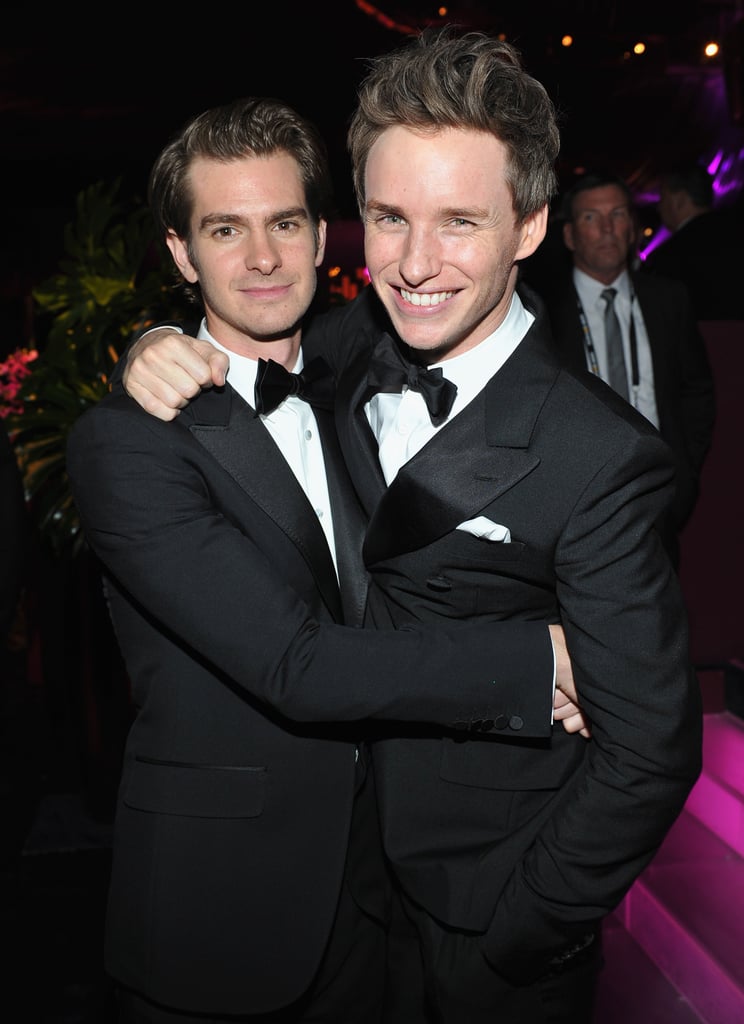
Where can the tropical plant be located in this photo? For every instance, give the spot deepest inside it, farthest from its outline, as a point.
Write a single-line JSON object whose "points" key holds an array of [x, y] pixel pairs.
{"points": [[114, 279]]}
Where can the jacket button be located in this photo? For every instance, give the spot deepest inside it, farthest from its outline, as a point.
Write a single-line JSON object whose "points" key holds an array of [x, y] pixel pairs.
{"points": [[440, 583], [500, 722], [516, 723]]}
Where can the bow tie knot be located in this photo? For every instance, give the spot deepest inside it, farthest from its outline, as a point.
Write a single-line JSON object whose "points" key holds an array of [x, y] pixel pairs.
{"points": [[274, 383], [389, 371]]}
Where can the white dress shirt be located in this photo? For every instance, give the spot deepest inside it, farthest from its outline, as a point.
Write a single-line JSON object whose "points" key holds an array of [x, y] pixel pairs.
{"points": [[589, 290], [294, 429], [401, 423]]}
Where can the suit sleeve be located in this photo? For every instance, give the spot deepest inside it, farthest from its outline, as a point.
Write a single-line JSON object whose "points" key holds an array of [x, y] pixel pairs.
{"points": [[626, 630], [150, 518]]}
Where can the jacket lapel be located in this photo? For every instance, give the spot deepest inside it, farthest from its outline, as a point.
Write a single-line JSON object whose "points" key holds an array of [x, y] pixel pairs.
{"points": [[472, 461], [229, 430], [349, 523], [358, 443]]}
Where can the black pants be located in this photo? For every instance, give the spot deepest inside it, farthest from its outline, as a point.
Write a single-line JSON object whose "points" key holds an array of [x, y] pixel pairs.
{"points": [[455, 983]]}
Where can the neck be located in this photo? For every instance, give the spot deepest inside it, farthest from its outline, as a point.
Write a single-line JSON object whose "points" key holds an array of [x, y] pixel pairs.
{"points": [[604, 277]]}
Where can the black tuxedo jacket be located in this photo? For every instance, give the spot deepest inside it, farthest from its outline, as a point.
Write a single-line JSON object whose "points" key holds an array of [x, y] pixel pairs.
{"points": [[683, 379], [235, 804], [529, 842]]}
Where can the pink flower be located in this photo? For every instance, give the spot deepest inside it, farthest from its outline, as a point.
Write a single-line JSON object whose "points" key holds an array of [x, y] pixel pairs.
{"points": [[12, 374]]}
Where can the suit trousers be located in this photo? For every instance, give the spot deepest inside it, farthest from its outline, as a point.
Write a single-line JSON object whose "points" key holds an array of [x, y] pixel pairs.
{"points": [[460, 985]]}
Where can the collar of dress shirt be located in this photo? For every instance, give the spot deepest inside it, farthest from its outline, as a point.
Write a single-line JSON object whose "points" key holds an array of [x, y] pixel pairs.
{"points": [[243, 370], [589, 288], [473, 368], [401, 422]]}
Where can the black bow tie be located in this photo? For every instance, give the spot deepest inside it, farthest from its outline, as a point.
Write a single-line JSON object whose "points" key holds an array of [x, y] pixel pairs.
{"points": [[389, 371], [274, 383]]}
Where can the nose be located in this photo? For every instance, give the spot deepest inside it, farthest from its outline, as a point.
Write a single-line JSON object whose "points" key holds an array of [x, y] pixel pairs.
{"points": [[421, 256], [261, 253]]}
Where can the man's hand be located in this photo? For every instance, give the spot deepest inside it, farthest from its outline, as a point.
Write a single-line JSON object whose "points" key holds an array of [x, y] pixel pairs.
{"points": [[571, 716], [566, 701], [165, 370]]}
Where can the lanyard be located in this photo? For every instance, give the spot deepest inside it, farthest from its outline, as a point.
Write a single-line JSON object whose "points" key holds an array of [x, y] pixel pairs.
{"points": [[591, 352]]}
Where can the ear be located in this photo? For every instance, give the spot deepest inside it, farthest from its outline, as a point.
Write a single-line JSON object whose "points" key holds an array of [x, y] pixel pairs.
{"points": [[568, 236], [322, 232], [532, 233], [179, 252]]}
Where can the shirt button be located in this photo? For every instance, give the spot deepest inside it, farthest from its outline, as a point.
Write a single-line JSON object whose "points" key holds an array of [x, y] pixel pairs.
{"points": [[308, 435], [319, 513]]}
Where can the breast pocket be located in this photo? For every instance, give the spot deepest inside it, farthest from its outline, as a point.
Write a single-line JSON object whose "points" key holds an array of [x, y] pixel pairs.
{"points": [[507, 763], [197, 791], [476, 577]]}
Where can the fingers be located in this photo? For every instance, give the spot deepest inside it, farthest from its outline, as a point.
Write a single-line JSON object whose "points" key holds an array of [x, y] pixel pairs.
{"points": [[570, 715], [577, 723], [163, 402], [165, 370], [564, 680], [565, 703], [219, 364]]}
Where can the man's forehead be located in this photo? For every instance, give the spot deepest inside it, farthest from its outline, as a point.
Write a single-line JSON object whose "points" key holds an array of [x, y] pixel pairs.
{"points": [[274, 179], [602, 197], [587, 203]]}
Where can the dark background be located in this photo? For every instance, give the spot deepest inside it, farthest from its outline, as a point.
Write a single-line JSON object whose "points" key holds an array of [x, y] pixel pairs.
{"points": [[89, 97]]}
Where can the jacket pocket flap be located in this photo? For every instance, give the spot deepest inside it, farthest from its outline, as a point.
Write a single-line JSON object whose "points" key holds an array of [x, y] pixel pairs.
{"points": [[198, 791]]}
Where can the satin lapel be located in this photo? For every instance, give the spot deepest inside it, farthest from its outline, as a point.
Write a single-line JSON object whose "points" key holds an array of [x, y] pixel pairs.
{"points": [[349, 524], [357, 441], [242, 445], [471, 462]]}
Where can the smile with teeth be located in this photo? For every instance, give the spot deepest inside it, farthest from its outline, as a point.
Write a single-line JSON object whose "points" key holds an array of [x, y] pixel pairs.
{"points": [[426, 299]]}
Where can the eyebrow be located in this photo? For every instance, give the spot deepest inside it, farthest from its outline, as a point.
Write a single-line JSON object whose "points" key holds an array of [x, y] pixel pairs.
{"points": [[291, 213], [446, 213], [596, 209]]}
